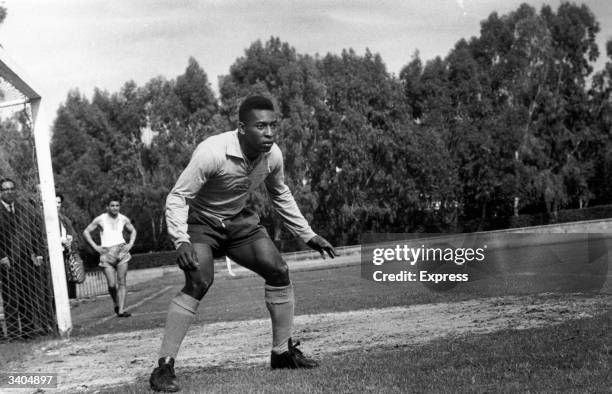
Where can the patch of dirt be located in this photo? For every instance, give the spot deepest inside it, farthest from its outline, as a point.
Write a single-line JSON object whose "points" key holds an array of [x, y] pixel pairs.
{"points": [[83, 364]]}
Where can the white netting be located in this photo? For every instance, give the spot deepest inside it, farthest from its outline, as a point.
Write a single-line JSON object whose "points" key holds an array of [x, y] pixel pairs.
{"points": [[26, 304], [10, 97]]}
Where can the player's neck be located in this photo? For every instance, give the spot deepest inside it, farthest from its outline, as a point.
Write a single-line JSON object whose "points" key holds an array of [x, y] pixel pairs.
{"points": [[114, 216], [249, 154]]}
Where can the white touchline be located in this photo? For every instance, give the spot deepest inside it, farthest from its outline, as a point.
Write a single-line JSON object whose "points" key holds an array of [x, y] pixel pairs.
{"points": [[128, 308]]}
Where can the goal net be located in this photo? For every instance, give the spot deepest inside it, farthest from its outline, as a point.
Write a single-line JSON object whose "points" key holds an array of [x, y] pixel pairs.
{"points": [[33, 296]]}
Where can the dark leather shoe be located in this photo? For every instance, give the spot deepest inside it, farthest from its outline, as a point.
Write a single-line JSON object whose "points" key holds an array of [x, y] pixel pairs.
{"points": [[163, 377], [292, 358]]}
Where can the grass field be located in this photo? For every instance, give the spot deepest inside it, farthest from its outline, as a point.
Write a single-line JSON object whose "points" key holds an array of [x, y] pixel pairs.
{"points": [[574, 356], [498, 334]]}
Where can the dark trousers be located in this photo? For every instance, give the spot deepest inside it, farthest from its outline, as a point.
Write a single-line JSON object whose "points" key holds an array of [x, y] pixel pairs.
{"points": [[28, 305], [18, 313]]}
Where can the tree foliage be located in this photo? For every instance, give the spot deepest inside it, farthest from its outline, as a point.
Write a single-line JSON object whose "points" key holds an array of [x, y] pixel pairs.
{"points": [[514, 107]]}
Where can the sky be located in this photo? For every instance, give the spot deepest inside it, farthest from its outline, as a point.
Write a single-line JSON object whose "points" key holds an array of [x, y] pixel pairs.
{"points": [[61, 45]]}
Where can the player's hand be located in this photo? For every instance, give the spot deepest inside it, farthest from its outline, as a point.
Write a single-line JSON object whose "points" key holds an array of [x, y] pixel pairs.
{"points": [[187, 258], [36, 260], [100, 249], [67, 241], [321, 245], [5, 263]]}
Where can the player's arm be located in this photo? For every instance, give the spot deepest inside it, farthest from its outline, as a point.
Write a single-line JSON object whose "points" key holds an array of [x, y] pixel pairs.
{"points": [[287, 208], [87, 235], [132, 230], [203, 164], [35, 239], [71, 238], [4, 260], [4, 239]]}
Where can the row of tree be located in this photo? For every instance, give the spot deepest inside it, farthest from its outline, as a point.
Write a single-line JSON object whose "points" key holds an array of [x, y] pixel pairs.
{"points": [[512, 120]]}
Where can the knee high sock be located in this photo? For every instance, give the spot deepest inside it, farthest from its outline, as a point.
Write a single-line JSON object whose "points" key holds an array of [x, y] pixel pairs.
{"points": [[181, 312], [121, 293], [280, 303]]}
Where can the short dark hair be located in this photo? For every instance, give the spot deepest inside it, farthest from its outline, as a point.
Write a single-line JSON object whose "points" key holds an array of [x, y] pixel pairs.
{"points": [[254, 102], [60, 196], [112, 198]]}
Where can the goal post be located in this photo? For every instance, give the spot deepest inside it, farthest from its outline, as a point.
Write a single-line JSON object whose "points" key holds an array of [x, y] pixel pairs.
{"points": [[26, 306]]}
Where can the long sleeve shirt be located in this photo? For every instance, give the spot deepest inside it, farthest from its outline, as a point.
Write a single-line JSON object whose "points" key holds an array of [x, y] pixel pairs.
{"points": [[217, 181]]}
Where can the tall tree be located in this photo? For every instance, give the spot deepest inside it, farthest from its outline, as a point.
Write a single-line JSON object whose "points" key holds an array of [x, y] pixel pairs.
{"points": [[513, 106], [134, 143], [601, 110]]}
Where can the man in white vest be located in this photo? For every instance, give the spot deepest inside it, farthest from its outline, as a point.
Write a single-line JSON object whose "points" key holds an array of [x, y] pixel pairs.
{"points": [[114, 252]]}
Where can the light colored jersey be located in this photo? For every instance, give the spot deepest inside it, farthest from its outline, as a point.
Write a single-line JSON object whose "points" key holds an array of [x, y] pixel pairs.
{"points": [[112, 229], [217, 181]]}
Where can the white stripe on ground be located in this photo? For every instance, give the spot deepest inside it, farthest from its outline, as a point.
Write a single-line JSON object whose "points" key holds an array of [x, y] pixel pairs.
{"points": [[129, 308], [83, 363]]}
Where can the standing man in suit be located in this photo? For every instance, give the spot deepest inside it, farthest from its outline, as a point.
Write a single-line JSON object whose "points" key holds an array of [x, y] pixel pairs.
{"points": [[27, 301]]}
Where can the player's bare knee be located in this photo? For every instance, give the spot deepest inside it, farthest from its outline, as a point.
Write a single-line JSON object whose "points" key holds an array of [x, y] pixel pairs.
{"points": [[278, 275], [197, 286]]}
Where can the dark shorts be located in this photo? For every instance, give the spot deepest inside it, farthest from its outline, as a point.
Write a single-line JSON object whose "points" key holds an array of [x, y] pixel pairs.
{"points": [[240, 230]]}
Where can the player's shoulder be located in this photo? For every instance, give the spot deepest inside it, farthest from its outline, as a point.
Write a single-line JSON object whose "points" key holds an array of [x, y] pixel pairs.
{"points": [[98, 220], [215, 144], [275, 156], [276, 150], [100, 217], [218, 140], [124, 218]]}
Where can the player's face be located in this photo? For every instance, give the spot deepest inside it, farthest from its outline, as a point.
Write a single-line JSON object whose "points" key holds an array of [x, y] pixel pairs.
{"points": [[7, 192], [58, 202], [113, 208], [259, 130]]}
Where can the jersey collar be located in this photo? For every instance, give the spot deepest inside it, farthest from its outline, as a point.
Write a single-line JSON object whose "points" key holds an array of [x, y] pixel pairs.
{"points": [[233, 147]]}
